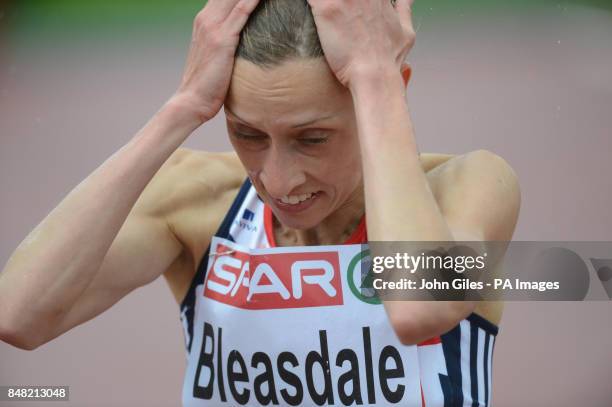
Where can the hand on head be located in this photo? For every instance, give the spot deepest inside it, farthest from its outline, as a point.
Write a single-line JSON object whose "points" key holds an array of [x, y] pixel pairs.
{"points": [[358, 37], [362, 37], [216, 32]]}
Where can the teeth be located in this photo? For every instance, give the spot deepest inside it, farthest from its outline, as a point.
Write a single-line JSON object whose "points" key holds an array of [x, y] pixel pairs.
{"points": [[295, 199]]}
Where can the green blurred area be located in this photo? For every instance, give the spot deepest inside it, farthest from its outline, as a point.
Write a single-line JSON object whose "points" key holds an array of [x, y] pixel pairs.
{"points": [[115, 18]]}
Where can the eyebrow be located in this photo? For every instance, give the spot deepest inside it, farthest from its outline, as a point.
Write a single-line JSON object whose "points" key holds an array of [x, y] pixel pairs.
{"points": [[295, 126]]}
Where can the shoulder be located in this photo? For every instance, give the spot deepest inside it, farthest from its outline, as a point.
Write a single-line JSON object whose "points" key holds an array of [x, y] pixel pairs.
{"points": [[479, 187], [474, 160], [479, 196], [213, 169], [430, 161], [191, 177], [191, 192]]}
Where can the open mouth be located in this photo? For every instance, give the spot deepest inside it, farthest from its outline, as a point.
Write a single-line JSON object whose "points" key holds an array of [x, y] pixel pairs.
{"points": [[297, 203]]}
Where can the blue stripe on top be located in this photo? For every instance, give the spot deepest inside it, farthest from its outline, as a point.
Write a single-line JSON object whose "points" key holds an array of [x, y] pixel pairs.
{"points": [[456, 363], [486, 369], [474, 364], [451, 346], [188, 304]]}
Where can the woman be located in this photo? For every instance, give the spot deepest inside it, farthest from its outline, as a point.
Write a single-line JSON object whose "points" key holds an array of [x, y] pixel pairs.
{"points": [[316, 111]]}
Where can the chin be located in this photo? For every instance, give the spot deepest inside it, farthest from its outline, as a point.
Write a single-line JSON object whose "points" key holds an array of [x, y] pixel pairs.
{"points": [[298, 221]]}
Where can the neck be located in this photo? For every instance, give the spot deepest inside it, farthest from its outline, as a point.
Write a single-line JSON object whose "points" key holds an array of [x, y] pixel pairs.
{"points": [[333, 230]]}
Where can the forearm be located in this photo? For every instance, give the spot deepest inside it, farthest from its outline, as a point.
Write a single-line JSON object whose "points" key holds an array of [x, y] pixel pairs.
{"points": [[400, 205], [58, 260]]}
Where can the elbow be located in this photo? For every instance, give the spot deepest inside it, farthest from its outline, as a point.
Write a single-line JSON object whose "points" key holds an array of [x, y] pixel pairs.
{"points": [[411, 329], [407, 330], [408, 334], [18, 340], [19, 337]]}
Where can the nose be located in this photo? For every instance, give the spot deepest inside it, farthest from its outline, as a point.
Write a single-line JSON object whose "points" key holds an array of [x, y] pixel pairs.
{"points": [[281, 173]]}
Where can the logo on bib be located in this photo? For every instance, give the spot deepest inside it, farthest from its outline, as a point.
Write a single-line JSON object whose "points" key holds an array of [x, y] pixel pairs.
{"points": [[248, 215], [272, 281], [357, 276], [247, 221]]}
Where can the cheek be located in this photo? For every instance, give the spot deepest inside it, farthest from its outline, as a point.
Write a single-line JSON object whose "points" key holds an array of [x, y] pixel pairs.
{"points": [[252, 165], [341, 172], [345, 160], [349, 171], [251, 160], [254, 175]]}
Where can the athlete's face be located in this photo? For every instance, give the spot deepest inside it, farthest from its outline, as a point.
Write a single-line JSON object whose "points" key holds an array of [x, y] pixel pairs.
{"points": [[293, 127]]}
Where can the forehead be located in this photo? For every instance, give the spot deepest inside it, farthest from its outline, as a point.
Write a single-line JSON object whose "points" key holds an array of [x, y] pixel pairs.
{"points": [[291, 91]]}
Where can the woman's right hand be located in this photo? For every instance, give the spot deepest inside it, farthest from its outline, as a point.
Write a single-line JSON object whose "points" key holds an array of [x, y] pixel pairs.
{"points": [[111, 234], [216, 32]]}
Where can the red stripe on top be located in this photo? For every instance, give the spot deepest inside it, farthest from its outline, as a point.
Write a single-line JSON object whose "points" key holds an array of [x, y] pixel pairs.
{"points": [[432, 341], [422, 395], [268, 225], [359, 235]]}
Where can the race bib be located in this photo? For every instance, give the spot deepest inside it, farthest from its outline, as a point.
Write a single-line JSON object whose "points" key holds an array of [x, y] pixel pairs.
{"points": [[290, 326]]}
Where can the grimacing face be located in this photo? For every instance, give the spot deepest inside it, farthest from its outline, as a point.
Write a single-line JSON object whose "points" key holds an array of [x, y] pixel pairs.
{"points": [[293, 127]]}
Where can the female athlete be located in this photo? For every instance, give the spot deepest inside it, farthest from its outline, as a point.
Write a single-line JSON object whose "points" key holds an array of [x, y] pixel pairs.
{"points": [[259, 246]]}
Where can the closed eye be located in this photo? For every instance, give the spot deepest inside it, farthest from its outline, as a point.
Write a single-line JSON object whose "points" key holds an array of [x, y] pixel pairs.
{"points": [[318, 140], [314, 136], [250, 137]]}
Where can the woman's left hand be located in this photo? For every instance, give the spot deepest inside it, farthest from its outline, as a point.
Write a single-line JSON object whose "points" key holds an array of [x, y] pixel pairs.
{"points": [[361, 37]]}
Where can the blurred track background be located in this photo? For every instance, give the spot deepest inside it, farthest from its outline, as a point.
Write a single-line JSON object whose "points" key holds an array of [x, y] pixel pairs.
{"points": [[529, 80]]}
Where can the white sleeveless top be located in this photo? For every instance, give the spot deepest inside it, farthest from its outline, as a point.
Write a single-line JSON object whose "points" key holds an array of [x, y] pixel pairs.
{"points": [[288, 326]]}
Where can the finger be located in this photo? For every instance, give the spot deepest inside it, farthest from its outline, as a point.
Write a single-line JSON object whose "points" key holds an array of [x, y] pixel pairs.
{"points": [[239, 15], [219, 10]]}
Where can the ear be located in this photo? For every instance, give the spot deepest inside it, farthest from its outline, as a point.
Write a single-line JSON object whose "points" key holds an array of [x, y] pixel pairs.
{"points": [[406, 72]]}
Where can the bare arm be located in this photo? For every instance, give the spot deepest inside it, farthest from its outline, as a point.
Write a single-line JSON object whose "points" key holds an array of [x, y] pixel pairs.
{"points": [[101, 241], [60, 258], [480, 198]]}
